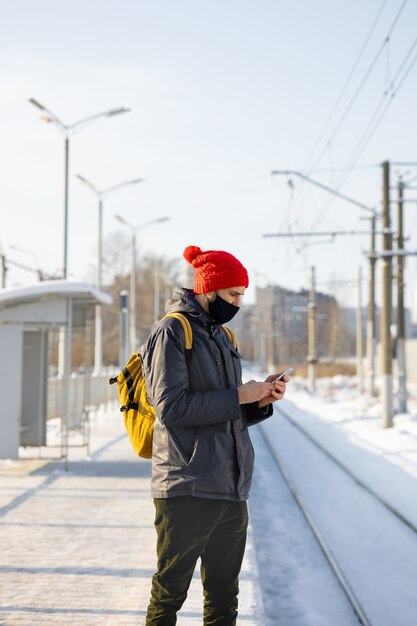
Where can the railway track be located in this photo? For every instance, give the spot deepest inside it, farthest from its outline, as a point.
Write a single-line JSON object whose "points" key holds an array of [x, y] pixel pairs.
{"points": [[365, 613], [347, 471], [331, 559]]}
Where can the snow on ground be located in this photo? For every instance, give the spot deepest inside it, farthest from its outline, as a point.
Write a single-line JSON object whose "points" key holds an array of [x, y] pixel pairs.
{"points": [[298, 586], [378, 553], [337, 402], [349, 425]]}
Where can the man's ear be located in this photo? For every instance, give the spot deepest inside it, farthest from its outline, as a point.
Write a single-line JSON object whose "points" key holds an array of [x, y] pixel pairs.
{"points": [[211, 296]]}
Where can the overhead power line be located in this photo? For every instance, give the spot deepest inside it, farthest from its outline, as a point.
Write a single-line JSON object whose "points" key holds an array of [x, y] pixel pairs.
{"points": [[341, 94], [334, 192], [40, 273], [316, 233], [381, 109], [410, 180], [327, 170], [364, 80]]}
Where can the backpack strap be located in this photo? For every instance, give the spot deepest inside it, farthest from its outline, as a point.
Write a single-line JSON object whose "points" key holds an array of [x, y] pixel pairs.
{"points": [[131, 392], [231, 336], [188, 332], [186, 326]]}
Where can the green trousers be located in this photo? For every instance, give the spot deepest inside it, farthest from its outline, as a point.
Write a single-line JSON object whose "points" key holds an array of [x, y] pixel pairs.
{"points": [[188, 528]]}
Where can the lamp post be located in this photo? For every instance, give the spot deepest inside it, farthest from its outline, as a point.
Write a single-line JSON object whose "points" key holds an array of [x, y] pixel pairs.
{"points": [[100, 193], [132, 316], [67, 130]]}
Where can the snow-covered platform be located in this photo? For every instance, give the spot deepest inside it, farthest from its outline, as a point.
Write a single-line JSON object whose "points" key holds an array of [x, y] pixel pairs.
{"points": [[78, 547]]}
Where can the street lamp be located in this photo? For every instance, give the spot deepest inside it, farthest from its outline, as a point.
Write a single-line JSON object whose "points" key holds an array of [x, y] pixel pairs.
{"points": [[67, 130], [100, 193], [132, 316]]}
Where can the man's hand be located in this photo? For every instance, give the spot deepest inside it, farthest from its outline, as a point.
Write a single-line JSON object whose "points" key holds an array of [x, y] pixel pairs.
{"points": [[279, 390], [254, 391], [264, 393]]}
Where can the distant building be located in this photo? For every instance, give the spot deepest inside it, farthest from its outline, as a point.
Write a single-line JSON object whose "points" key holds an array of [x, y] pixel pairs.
{"points": [[274, 330]]}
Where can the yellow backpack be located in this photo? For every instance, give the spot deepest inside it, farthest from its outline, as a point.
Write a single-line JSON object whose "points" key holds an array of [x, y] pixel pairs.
{"points": [[139, 415]]}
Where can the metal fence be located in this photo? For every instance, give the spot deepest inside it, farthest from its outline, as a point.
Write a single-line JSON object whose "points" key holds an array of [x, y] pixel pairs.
{"points": [[86, 390]]}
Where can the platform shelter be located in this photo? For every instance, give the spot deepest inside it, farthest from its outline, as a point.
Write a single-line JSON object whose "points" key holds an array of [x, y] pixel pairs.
{"points": [[27, 315]]}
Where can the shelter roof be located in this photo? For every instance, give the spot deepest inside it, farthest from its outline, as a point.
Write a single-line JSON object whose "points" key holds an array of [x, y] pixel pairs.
{"points": [[81, 293]]}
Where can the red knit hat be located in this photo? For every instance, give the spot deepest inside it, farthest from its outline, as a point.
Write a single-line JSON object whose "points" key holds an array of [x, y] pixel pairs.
{"points": [[215, 269]]}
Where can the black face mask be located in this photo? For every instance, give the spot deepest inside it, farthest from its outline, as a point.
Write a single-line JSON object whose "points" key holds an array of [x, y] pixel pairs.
{"points": [[221, 310]]}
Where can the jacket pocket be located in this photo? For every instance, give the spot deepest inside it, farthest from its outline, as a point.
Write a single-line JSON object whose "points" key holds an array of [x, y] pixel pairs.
{"points": [[201, 451]]}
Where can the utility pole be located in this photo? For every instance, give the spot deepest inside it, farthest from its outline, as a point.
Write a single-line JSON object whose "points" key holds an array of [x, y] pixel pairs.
{"points": [[334, 329], [271, 336], [401, 359], [371, 322], [312, 334], [359, 346], [386, 314]]}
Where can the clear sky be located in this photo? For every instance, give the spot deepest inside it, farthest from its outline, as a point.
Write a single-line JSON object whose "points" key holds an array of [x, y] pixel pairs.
{"points": [[221, 92]]}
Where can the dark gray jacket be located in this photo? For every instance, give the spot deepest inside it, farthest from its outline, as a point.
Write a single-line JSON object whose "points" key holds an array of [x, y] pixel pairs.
{"points": [[201, 444]]}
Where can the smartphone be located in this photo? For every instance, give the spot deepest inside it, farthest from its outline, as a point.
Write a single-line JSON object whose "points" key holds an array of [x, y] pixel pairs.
{"points": [[286, 373]]}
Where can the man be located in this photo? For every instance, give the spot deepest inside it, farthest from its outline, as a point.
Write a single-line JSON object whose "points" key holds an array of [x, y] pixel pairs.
{"points": [[202, 460]]}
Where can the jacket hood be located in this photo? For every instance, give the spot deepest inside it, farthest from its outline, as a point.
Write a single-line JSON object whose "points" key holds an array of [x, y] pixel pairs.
{"points": [[183, 300]]}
